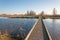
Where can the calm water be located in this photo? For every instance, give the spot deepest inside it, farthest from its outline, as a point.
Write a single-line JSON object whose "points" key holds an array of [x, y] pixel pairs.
{"points": [[16, 26], [53, 26]]}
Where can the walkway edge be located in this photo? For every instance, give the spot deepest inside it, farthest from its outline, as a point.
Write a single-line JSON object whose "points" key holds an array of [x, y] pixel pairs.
{"points": [[31, 30], [48, 33]]}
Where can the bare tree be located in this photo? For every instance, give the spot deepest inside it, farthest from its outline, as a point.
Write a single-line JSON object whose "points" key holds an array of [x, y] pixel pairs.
{"points": [[54, 11], [42, 13], [30, 13]]}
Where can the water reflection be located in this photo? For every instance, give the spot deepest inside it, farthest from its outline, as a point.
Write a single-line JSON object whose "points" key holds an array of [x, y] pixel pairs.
{"points": [[53, 26], [16, 27]]}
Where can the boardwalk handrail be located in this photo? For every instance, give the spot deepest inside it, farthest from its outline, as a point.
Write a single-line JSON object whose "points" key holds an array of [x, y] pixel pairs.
{"points": [[31, 30]]}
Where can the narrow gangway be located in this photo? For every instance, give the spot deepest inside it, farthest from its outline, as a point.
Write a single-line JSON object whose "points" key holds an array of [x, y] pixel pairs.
{"points": [[38, 32]]}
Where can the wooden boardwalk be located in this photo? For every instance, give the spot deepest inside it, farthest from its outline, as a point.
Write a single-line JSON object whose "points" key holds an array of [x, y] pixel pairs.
{"points": [[38, 32]]}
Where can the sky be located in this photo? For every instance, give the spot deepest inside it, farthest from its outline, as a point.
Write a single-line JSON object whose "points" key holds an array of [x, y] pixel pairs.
{"points": [[21, 6]]}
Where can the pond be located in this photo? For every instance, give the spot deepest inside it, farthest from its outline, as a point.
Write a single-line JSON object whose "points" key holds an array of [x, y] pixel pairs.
{"points": [[53, 26], [16, 26]]}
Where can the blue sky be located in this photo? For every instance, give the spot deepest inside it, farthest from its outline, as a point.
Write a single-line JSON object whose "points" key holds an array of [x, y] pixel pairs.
{"points": [[21, 6]]}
